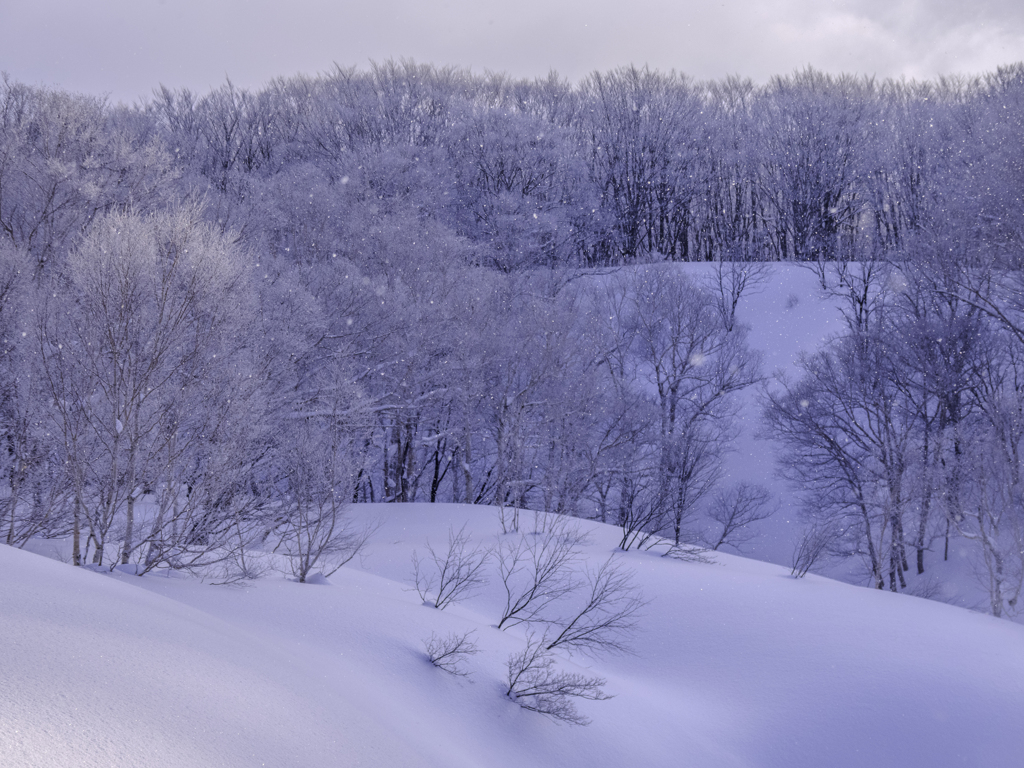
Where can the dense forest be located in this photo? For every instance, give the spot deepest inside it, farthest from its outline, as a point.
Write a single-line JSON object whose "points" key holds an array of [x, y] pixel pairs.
{"points": [[225, 317]]}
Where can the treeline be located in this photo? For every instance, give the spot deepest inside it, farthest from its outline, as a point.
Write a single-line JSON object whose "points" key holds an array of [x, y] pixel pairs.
{"points": [[630, 165], [249, 309]]}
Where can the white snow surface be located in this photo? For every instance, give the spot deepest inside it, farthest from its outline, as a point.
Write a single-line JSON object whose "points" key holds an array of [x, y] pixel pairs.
{"points": [[734, 663], [786, 317]]}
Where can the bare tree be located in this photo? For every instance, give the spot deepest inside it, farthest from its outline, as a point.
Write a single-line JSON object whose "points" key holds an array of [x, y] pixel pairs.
{"points": [[456, 574], [606, 615], [730, 280], [735, 509], [586, 610], [315, 529], [681, 350], [639, 514], [992, 486], [994, 522], [319, 534], [847, 431], [451, 651], [815, 544], [534, 683], [536, 570]]}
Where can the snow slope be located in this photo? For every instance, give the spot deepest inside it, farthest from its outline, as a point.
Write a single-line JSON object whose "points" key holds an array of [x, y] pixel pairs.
{"points": [[734, 664], [97, 672], [787, 316]]}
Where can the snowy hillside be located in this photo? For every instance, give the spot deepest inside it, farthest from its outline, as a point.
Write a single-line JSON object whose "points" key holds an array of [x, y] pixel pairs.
{"points": [[787, 315], [733, 663], [761, 331], [730, 663]]}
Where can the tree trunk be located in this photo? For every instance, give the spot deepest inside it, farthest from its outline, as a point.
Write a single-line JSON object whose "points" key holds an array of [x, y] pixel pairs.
{"points": [[76, 546]]}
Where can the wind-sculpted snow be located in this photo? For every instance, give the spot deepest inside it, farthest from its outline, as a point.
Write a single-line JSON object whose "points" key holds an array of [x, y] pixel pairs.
{"points": [[732, 663]]}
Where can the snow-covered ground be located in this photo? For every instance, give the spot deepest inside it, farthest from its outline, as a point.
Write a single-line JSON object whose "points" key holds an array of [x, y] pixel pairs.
{"points": [[733, 663], [786, 316]]}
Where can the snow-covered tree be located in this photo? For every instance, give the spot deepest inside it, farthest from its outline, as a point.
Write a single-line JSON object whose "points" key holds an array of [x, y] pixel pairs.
{"points": [[142, 345], [684, 358], [66, 159]]}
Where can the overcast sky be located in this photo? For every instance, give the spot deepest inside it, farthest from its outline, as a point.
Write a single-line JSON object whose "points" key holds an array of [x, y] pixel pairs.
{"points": [[125, 48]]}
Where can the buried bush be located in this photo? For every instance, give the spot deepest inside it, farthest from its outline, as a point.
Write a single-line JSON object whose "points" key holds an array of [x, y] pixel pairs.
{"points": [[449, 652], [536, 684]]}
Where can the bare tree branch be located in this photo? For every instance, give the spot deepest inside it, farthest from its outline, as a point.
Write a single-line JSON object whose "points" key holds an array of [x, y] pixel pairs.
{"points": [[458, 572], [451, 651], [535, 684]]}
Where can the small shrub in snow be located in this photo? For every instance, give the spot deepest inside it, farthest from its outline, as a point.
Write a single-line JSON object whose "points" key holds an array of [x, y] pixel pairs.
{"points": [[813, 546], [319, 534], [735, 510], [536, 570], [449, 652], [605, 618], [688, 553], [584, 610], [730, 279], [509, 518], [534, 683], [453, 575]]}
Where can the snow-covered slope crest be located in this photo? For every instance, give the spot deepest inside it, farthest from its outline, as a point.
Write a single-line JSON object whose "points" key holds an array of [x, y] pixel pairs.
{"points": [[98, 672], [733, 664]]}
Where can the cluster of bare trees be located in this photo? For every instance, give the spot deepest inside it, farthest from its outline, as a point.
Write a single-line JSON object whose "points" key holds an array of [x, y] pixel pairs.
{"points": [[548, 589], [174, 401], [248, 309], [905, 432], [629, 165]]}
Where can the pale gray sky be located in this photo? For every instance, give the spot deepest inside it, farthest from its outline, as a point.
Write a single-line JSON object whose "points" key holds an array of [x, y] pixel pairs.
{"points": [[125, 48]]}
